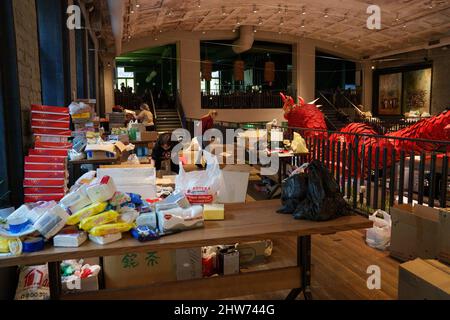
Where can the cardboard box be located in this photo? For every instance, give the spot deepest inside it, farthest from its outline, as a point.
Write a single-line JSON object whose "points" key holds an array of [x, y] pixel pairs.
{"points": [[253, 252], [414, 232], [424, 280], [149, 136], [100, 155], [235, 185], [84, 285], [229, 262], [444, 236], [139, 269], [139, 179], [189, 263]]}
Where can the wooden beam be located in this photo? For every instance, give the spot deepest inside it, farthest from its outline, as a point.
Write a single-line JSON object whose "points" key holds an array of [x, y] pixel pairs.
{"points": [[203, 289]]}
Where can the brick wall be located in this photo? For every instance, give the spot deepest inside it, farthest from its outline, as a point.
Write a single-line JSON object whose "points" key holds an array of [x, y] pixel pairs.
{"points": [[28, 61]]}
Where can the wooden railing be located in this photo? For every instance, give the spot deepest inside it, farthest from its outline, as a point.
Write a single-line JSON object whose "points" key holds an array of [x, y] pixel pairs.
{"points": [[242, 100], [372, 176]]}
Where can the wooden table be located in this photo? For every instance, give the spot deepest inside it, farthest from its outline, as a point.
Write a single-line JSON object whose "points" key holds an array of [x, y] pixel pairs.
{"points": [[244, 222]]}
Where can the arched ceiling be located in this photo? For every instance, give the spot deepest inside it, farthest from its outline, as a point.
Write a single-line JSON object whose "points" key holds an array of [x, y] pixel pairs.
{"points": [[405, 23]]}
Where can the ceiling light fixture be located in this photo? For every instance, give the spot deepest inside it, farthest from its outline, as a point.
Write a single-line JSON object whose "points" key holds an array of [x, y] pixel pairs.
{"points": [[260, 22], [203, 32], [279, 31], [303, 24], [430, 5], [199, 4], [281, 21], [254, 30], [170, 13], [279, 9], [326, 14], [304, 10], [255, 9], [238, 21], [224, 13], [234, 30], [397, 17], [137, 4]]}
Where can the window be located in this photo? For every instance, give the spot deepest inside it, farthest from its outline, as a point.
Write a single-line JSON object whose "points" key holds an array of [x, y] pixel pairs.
{"points": [[124, 78], [214, 84], [53, 52]]}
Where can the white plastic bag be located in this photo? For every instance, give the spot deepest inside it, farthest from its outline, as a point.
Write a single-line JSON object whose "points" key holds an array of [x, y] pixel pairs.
{"points": [[201, 186], [133, 160], [379, 236]]}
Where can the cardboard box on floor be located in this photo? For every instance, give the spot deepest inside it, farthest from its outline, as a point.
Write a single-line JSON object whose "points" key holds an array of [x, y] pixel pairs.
{"points": [[444, 236], [414, 232], [424, 280]]}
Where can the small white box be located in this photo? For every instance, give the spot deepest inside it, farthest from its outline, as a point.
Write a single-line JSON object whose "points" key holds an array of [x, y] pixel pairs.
{"points": [[69, 238], [106, 239]]}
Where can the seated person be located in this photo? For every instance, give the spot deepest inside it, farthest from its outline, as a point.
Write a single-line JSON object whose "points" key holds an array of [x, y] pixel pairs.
{"points": [[163, 151], [146, 117]]}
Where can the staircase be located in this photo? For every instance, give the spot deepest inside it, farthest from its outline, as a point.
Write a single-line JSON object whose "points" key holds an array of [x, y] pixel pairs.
{"points": [[167, 120], [335, 119]]}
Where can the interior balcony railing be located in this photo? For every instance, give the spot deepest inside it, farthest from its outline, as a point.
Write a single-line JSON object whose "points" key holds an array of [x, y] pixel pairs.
{"points": [[242, 100]]}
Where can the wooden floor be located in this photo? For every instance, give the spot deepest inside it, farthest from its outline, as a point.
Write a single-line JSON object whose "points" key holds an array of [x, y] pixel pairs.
{"points": [[339, 264]]}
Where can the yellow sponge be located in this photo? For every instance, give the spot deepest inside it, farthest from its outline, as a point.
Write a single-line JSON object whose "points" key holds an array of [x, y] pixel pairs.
{"points": [[214, 212]]}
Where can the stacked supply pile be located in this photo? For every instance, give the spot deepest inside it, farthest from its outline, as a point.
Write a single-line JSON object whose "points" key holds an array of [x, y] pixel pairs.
{"points": [[46, 173]]}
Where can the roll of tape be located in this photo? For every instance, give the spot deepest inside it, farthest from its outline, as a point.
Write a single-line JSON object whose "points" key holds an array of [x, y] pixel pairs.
{"points": [[33, 245]]}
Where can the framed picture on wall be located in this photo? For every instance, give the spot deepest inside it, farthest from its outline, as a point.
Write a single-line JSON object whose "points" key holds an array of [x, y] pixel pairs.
{"points": [[417, 91], [403, 91], [390, 94]]}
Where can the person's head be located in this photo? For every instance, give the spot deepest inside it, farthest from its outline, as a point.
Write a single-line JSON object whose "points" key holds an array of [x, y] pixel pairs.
{"points": [[165, 141], [122, 85], [145, 107], [213, 114]]}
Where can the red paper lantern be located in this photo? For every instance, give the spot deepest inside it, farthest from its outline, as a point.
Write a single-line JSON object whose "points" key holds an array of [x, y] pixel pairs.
{"points": [[206, 70], [239, 67]]}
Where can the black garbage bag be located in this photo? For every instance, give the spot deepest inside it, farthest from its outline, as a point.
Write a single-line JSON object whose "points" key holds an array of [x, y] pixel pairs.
{"points": [[294, 190], [323, 200]]}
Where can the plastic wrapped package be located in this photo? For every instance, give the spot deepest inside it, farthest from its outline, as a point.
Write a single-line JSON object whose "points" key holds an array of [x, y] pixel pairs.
{"points": [[110, 229], [98, 220], [39, 210], [109, 238], [119, 198], [147, 219], [87, 212], [178, 219], [33, 283], [51, 222], [379, 236], [76, 200], [101, 189]]}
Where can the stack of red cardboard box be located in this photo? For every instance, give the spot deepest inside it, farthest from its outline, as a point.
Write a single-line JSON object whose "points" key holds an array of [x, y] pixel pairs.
{"points": [[46, 173]]}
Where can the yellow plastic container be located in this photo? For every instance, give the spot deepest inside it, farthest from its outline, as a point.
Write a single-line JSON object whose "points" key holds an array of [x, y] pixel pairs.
{"points": [[87, 212], [99, 219], [110, 229]]}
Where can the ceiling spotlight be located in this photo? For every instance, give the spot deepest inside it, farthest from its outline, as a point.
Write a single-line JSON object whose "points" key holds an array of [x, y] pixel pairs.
{"points": [[160, 30], [132, 11], [404, 26], [254, 30], [238, 21], [170, 13], [224, 13], [304, 10], [430, 5], [303, 24], [373, 67], [335, 46], [397, 17], [260, 22], [234, 30], [326, 13], [137, 4], [255, 10], [203, 32], [129, 37], [279, 9], [281, 21], [359, 39], [279, 31], [156, 39], [199, 4]]}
